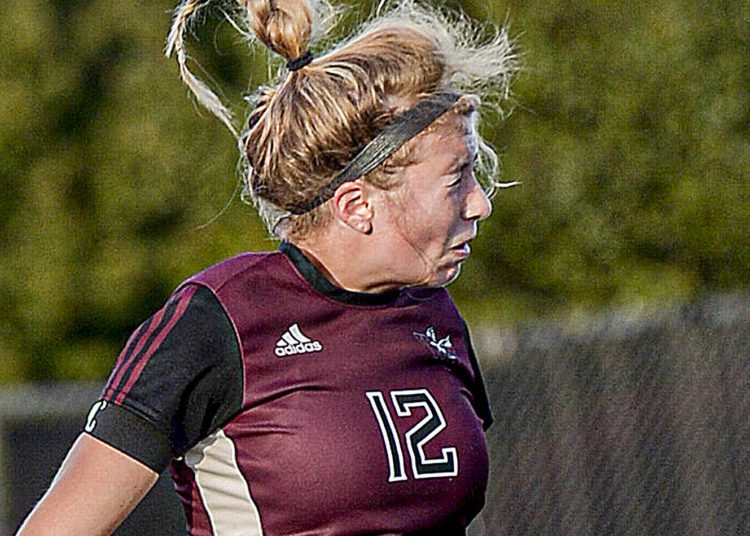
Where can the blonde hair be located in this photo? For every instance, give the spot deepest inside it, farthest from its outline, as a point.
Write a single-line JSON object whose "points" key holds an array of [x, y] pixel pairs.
{"points": [[306, 127]]}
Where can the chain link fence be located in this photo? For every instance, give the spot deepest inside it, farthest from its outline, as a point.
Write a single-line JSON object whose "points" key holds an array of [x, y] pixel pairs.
{"points": [[633, 427], [623, 425]]}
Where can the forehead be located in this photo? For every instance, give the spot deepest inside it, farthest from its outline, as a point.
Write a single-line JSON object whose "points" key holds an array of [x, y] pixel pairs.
{"points": [[449, 136]]}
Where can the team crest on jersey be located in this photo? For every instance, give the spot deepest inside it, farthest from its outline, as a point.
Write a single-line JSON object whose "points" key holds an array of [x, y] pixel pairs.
{"points": [[441, 348], [293, 342]]}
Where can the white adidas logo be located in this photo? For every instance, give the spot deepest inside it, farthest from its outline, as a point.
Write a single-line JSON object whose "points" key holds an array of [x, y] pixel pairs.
{"points": [[293, 342]]}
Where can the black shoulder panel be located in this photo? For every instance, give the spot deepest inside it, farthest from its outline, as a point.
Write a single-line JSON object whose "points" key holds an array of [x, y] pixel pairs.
{"points": [[180, 372]]}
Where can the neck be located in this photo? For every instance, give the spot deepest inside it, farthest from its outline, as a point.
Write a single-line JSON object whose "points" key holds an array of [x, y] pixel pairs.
{"points": [[349, 262]]}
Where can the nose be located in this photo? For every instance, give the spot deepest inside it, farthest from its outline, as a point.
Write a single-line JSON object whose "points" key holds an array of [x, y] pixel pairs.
{"points": [[478, 205]]}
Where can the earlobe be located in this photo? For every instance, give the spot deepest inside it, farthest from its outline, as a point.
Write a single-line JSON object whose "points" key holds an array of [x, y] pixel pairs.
{"points": [[352, 207]]}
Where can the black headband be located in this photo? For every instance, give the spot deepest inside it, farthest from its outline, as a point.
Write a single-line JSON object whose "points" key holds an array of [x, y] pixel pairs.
{"points": [[402, 129]]}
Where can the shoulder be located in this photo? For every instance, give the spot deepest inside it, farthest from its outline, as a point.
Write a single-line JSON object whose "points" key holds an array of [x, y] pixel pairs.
{"points": [[237, 268], [434, 297]]}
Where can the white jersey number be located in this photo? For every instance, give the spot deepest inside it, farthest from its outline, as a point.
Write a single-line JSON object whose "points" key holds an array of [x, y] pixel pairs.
{"points": [[416, 437]]}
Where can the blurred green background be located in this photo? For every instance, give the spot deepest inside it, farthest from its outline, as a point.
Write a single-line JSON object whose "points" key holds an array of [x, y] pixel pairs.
{"points": [[630, 134]]}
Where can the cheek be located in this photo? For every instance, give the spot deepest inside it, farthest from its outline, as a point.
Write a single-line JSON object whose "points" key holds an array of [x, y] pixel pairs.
{"points": [[427, 219], [446, 212], [439, 225]]}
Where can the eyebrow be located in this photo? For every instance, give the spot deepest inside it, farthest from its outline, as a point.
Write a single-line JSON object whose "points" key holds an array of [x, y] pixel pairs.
{"points": [[465, 159]]}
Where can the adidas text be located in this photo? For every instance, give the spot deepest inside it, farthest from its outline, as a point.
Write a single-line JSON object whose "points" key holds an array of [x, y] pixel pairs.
{"points": [[301, 348]]}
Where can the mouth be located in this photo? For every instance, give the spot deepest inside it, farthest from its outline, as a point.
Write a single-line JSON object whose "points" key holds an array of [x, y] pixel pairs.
{"points": [[462, 248]]}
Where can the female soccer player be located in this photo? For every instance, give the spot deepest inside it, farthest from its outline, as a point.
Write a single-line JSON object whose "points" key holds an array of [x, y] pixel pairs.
{"points": [[328, 387]]}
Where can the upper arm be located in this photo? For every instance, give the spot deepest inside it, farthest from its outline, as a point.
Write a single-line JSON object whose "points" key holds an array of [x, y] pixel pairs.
{"points": [[96, 487], [178, 377], [177, 380]]}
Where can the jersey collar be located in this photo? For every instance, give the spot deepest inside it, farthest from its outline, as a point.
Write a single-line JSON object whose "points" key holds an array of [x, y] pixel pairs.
{"points": [[320, 283]]}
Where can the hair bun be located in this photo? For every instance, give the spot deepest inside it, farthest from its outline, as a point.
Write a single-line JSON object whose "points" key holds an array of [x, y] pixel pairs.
{"points": [[284, 26]]}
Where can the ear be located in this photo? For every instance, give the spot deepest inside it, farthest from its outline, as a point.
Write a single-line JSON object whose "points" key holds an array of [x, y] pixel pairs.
{"points": [[352, 206]]}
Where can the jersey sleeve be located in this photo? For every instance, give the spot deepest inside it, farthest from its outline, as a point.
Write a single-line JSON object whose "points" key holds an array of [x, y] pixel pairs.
{"points": [[481, 402], [178, 379]]}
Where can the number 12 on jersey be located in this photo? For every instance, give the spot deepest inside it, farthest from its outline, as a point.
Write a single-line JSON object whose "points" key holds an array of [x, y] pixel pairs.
{"points": [[416, 437]]}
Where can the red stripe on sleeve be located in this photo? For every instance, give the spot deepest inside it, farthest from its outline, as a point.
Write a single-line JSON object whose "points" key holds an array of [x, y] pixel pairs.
{"points": [[183, 300], [107, 391], [123, 366]]}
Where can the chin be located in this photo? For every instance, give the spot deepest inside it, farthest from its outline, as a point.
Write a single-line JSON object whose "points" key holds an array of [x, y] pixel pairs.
{"points": [[448, 276], [439, 276]]}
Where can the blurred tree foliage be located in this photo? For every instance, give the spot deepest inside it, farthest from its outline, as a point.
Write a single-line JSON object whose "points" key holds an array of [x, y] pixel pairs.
{"points": [[630, 134]]}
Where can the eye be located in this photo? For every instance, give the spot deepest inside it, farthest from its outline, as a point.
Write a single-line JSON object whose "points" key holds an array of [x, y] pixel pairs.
{"points": [[458, 175]]}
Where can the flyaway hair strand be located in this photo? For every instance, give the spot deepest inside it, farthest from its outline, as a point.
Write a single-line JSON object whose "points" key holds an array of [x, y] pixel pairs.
{"points": [[176, 45]]}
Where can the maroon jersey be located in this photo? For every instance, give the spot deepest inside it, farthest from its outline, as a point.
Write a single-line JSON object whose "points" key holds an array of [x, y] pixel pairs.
{"points": [[327, 412]]}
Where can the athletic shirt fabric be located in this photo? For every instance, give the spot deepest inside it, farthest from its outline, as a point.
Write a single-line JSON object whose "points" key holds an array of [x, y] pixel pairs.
{"points": [[285, 405]]}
